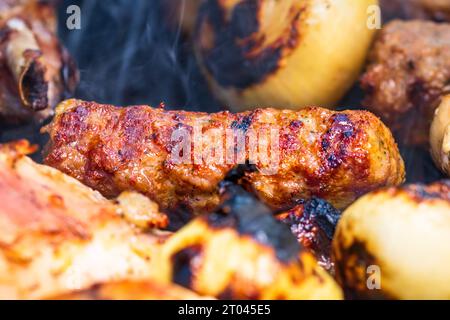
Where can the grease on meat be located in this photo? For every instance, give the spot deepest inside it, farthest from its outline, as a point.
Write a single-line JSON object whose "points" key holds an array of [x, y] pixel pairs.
{"points": [[337, 156], [56, 235]]}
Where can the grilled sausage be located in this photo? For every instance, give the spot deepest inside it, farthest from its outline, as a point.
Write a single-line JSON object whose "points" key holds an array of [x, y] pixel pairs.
{"points": [[337, 156]]}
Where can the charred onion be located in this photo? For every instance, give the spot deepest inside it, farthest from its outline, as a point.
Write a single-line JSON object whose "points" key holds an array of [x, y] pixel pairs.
{"points": [[286, 53], [395, 244]]}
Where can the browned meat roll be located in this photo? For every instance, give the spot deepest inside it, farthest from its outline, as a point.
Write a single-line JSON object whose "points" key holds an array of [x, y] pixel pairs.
{"points": [[337, 156]]}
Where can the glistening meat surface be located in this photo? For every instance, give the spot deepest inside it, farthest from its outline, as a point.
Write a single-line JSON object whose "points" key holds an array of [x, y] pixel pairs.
{"points": [[337, 156]]}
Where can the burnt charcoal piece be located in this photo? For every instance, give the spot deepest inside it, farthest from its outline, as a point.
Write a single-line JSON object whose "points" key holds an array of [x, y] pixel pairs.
{"points": [[245, 213], [313, 222]]}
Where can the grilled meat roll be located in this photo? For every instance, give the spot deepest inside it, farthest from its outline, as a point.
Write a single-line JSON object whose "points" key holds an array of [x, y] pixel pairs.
{"points": [[436, 10], [57, 235], [36, 71], [440, 136], [337, 156], [408, 73], [395, 243], [242, 252]]}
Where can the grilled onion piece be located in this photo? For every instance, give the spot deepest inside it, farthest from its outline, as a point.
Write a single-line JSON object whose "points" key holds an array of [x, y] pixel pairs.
{"points": [[242, 252], [440, 136], [337, 156], [286, 53], [405, 234]]}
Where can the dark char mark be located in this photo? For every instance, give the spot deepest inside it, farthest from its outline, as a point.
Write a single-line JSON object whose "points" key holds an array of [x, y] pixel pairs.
{"points": [[245, 213], [319, 211], [335, 140], [184, 265], [227, 60], [313, 223]]}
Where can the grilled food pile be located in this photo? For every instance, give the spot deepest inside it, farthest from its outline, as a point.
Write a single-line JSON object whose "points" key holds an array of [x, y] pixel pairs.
{"points": [[279, 201]]}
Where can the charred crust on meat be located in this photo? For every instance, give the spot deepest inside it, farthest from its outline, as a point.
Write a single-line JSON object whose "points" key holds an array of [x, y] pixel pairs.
{"points": [[313, 223], [296, 124], [336, 140], [236, 174], [248, 216], [232, 48], [184, 264], [316, 211], [243, 122], [421, 192]]}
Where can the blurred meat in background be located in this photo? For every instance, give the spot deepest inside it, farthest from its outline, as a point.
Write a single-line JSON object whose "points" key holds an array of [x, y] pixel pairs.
{"points": [[36, 72]]}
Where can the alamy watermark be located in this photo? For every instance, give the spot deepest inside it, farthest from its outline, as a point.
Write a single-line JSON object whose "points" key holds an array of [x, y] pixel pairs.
{"points": [[373, 277], [227, 146], [374, 19], [73, 21]]}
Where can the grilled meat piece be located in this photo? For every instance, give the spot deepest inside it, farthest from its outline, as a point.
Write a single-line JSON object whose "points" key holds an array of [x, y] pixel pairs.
{"points": [[337, 156], [395, 243], [133, 290], [409, 71], [313, 223], [57, 235], [242, 252], [36, 71], [436, 10]]}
